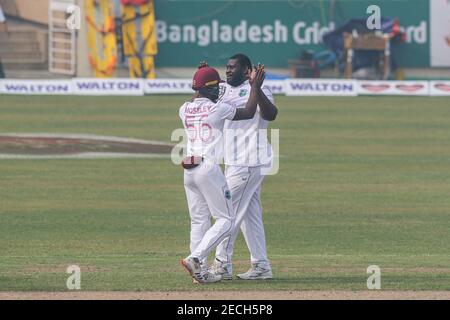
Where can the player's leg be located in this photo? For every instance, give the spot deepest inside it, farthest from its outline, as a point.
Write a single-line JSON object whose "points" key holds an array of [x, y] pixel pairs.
{"points": [[243, 182], [216, 193], [199, 215], [202, 189], [253, 230], [237, 179]]}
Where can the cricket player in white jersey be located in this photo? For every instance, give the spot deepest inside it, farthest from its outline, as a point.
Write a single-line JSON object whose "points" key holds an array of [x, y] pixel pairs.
{"points": [[206, 187], [245, 172]]}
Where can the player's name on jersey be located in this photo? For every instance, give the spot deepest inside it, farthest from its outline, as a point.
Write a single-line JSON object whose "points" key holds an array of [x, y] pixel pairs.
{"points": [[197, 110]]}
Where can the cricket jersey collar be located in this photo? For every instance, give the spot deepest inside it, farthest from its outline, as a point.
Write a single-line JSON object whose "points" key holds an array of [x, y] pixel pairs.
{"points": [[243, 84]]}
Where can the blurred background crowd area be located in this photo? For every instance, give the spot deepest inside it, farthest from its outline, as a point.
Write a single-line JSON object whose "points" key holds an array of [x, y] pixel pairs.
{"points": [[167, 39]]}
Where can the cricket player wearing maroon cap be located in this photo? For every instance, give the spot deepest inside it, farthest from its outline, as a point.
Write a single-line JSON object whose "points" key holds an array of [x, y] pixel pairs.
{"points": [[206, 187]]}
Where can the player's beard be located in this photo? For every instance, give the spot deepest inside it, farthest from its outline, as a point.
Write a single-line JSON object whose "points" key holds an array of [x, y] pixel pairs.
{"points": [[212, 93], [237, 79]]}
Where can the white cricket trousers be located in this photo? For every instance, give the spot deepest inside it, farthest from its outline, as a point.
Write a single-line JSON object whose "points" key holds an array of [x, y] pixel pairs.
{"points": [[245, 186], [208, 195]]}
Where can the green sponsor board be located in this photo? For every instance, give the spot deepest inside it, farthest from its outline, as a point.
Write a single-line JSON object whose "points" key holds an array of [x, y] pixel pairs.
{"points": [[275, 31]]}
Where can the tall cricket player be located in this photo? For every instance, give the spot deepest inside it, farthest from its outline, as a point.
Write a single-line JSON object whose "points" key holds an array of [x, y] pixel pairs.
{"points": [[206, 188], [244, 172]]}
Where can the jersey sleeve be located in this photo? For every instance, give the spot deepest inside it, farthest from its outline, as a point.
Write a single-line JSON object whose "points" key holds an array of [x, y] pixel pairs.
{"points": [[227, 111], [269, 95], [181, 112]]}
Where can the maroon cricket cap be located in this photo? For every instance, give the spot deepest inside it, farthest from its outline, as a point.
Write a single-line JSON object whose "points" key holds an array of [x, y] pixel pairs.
{"points": [[205, 77]]}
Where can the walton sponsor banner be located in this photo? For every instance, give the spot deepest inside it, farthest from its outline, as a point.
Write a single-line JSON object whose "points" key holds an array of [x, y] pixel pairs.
{"points": [[440, 33], [182, 86], [157, 86], [403, 88], [290, 87], [276, 86], [312, 87], [440, 88], [116, 87], [36, 87]]}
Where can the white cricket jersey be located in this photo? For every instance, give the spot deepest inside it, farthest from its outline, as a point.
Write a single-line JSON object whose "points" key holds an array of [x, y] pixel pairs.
{"points": [[204, 121], [246, 142]]}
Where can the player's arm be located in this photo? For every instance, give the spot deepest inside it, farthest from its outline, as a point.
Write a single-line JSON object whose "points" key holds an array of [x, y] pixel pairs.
{"points": [[267, 109], [250, 108]]}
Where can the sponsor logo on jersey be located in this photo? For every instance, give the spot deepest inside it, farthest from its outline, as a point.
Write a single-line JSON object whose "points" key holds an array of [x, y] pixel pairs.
{"points": [[243, 93]]}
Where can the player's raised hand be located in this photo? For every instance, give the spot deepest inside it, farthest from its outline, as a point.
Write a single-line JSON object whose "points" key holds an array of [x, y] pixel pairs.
{"points": [[251, 73], [259, 77]]}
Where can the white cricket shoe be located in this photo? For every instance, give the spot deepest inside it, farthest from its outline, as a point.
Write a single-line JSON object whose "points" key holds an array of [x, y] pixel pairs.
{"points": [[225, 270], [256, 272], [193, 266], [208, 277]]}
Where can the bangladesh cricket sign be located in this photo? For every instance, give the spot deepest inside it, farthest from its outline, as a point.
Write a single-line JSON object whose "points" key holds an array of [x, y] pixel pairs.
{"points": [[275, 31]]}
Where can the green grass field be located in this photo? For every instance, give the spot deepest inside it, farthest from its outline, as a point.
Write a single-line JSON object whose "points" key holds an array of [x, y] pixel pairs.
{"points": [[362, 181]]}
